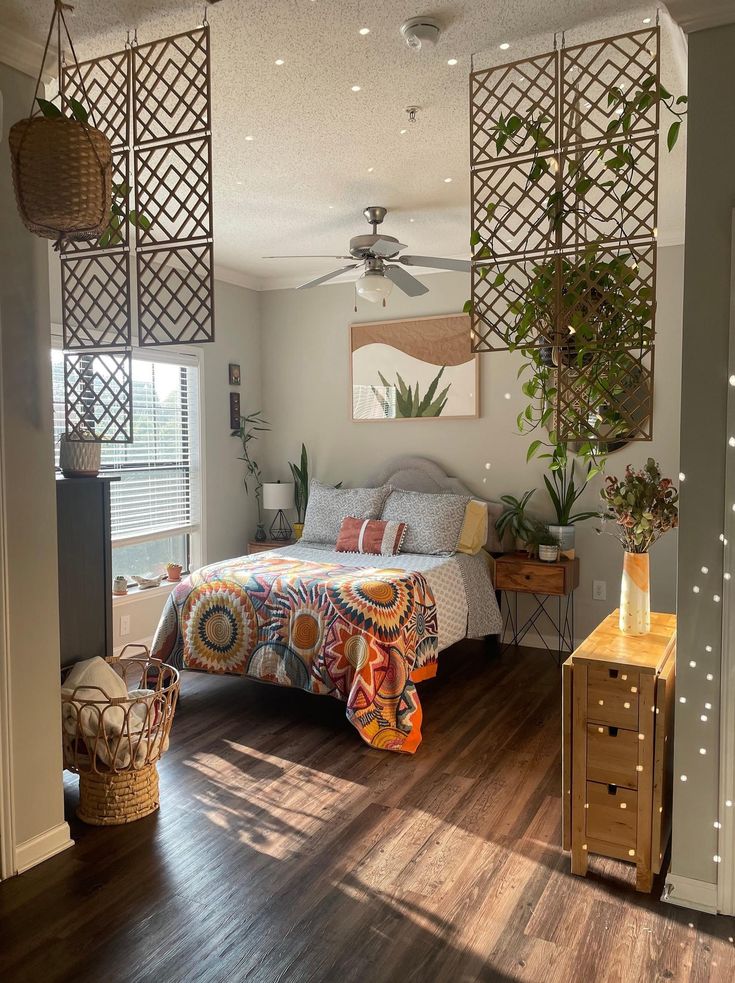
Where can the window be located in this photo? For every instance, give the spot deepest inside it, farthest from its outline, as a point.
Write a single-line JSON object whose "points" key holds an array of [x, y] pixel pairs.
{"points": [[155, 505]]}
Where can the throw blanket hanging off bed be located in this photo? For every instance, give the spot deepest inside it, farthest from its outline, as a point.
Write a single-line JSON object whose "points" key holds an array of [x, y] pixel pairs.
{"points": [[365, 636]]}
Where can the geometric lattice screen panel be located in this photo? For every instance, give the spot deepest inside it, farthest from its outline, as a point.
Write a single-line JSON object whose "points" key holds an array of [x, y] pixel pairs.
{"points": [[173, 168], [564, 174], [153, 103]]}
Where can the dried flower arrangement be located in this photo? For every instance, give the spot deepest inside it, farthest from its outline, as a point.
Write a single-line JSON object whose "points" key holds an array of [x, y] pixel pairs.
{"points": [[643, 506]]}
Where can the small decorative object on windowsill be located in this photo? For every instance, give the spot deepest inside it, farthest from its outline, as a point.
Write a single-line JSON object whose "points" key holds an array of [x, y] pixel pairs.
{"points": [[79, 458], [173, 572], [643, 506], [120, 586], [146, 583], [279, 496]]}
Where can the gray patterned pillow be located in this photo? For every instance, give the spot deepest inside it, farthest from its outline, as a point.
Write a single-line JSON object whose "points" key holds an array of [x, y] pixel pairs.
{"points": [[433, 522], [328, 506]]}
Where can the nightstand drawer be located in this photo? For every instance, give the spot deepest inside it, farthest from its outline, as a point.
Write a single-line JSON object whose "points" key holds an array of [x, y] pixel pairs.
{"points": [[612, 697], [612, 755], [611, 814], [532, 578]]}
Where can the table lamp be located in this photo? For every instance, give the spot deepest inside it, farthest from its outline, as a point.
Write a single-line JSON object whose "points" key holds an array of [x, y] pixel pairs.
{"points": [[278, 496]]}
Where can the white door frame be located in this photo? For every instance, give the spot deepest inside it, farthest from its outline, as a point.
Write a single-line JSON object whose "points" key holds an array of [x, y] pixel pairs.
{"points": [[726, 817]]}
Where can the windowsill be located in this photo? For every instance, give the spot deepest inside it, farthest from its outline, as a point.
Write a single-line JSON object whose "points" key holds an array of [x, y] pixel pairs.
{"points": [[135, 593]]}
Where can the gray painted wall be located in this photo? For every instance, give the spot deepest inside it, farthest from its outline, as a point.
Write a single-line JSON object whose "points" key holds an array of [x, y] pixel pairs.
{"points": [[710, 200], [306, 396], [31, 588]]}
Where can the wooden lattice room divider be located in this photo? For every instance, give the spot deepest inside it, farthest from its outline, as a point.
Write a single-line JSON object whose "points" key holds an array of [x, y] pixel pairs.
{"points": [[153, 102], [564, 172]]}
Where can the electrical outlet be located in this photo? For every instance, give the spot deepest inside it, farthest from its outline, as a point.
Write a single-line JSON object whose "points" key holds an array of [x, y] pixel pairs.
{"points": [[599, 590], [124, 625]]}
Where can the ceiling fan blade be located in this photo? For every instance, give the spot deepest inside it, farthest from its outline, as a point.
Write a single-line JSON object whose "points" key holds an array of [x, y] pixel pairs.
{"points": [[327, 276], [436, 263], [405, 281], [304, 256], [386, 247]]}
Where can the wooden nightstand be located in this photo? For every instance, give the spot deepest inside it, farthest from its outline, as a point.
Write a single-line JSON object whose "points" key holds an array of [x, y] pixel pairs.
{"points": [[618, 704], [268, 544], [518, 573]]}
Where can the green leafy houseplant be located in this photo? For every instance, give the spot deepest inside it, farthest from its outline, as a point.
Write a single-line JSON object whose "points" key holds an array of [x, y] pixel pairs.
{"points": [[563, 490], [409, 401], [250, 426], [587, 314], [643, 506], [300, 473], [514, 519]]}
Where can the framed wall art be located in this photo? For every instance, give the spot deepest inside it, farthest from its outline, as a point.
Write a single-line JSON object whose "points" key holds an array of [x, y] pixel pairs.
{"points": [[415, 368]]}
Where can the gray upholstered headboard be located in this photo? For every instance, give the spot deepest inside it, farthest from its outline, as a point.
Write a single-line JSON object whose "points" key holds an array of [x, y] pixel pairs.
{"points": [[413, 473]]}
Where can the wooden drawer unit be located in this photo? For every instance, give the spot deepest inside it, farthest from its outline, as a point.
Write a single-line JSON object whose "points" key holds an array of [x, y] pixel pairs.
{"points": [[612, 696], [528, 576], [618, 699], [612, 755], [611, 816]]}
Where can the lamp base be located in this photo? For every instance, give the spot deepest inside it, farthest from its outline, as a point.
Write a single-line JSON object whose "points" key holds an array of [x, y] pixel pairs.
{"points": [[280, 528]]}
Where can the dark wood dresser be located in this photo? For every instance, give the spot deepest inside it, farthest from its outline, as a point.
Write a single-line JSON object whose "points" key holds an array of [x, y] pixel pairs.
{"points": [[85, 567]]}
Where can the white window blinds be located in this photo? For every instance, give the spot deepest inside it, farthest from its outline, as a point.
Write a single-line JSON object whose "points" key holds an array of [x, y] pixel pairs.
{"points": [[158, 490]]}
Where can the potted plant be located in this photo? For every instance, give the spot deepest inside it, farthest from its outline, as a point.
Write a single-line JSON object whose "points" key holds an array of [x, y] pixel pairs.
{"points": [[513, 520], [544, 542], [300, 474], [173, 571], [643, 506], [250, 427], [564, 493]]}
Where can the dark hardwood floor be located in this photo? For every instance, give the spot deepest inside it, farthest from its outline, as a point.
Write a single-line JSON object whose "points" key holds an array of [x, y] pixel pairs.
{"points": [[286, 850]]}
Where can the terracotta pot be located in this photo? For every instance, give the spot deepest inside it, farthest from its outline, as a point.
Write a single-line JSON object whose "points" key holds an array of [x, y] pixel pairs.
{"points": [[173, 571], [635, 595]]}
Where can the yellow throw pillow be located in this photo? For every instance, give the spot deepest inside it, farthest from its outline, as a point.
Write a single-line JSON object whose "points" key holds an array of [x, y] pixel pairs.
{"points": [[474, 528]]}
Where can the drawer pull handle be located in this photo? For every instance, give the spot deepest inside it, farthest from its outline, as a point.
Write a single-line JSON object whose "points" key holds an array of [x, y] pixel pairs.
{"points": [[612, 789], [612, 673], [612, 731]]}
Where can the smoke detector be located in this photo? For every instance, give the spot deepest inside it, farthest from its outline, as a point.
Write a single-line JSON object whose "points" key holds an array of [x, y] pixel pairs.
{"points": [[421, 32]]}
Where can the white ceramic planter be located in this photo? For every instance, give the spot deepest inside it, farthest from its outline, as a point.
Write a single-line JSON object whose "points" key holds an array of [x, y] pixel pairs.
{"points": [[548, 553], [79, 458]]}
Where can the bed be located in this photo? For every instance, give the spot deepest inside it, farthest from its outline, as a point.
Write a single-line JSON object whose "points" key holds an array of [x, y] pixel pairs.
{"points": [[364, 629]]}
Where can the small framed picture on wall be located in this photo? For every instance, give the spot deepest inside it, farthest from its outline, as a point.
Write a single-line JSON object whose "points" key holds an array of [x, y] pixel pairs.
{"points": [[234, 374], [234, 411]]}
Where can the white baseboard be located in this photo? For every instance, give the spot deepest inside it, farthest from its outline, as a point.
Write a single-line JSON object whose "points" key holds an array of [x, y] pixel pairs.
{"points": [[42, 847], [686, 892]]}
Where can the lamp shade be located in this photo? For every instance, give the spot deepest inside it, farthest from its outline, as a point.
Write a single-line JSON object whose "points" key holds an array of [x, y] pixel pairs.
{"points": [[374, 286], [278, 495]]}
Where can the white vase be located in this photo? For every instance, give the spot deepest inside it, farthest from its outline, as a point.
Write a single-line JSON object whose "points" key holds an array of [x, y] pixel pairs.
{"points": [[550, 554], [635, 595], [564, 535]]}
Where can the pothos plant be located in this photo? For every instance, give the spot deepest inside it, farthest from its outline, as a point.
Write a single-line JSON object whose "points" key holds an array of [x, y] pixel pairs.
{"points": [[119, 211], [601, 312]]}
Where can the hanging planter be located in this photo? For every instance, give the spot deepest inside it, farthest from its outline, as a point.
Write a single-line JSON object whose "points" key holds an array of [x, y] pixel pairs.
{"points": [[61, 164]]}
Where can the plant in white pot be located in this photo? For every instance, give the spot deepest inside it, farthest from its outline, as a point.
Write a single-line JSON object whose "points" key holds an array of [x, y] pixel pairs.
{"points": [[544, 543], [643, 506], [564, 493]]}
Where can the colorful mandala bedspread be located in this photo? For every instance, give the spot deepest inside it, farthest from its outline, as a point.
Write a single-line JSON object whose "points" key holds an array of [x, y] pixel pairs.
{"points": [[365, 636]]}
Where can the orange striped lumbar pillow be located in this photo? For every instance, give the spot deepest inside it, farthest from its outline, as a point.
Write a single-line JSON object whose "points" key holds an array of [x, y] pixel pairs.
{"points": [[375, 536]]}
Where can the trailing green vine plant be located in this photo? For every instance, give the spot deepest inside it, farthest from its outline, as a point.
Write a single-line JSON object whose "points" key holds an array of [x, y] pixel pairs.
{"points": [[603, 310]]}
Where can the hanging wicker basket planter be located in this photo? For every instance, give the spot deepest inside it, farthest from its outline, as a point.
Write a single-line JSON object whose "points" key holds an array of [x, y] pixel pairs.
{"points": [[62, 176], [61, 164]]}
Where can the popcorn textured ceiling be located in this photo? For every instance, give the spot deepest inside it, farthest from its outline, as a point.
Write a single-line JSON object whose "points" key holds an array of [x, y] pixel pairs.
{"points": [[298, 154]]}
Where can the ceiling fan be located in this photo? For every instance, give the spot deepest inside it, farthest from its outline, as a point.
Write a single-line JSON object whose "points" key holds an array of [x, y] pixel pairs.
{"points": [[379, 254]]}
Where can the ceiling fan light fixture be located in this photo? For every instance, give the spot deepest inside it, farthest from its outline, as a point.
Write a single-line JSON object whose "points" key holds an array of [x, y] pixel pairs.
{"points": [[421, 32], [373, 286]]}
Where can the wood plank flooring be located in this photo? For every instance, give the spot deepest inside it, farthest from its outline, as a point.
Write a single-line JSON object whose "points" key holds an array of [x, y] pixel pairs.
{"points": [[286, 850]]}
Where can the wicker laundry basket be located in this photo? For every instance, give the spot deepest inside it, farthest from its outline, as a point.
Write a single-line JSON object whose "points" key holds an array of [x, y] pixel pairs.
{"points": [[114, 743]]}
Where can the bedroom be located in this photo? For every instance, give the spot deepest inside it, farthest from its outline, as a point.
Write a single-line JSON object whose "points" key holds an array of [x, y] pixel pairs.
{"points": [[301, 851]]}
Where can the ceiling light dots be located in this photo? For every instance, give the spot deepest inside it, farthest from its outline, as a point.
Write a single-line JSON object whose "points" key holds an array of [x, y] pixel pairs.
{"points": [[356, 88], [682, 476], [364, 31], [249, 137], [452, 61], [448, 180], [504, 46], [280, 61], [705, 569]]}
